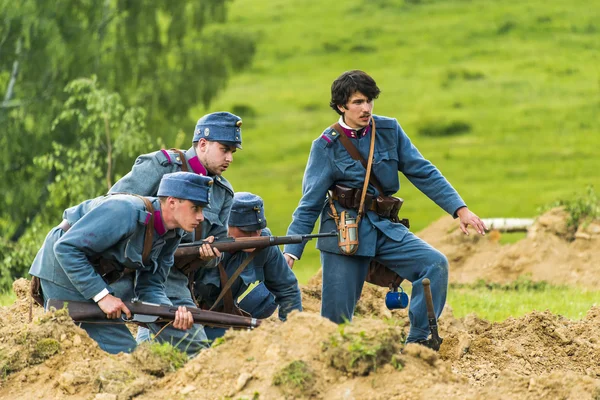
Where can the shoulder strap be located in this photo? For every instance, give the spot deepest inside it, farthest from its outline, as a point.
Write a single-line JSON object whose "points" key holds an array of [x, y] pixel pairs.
{"points": [[353, 151], [228, 304], [226, 288], [184, 166], [149, 235]]}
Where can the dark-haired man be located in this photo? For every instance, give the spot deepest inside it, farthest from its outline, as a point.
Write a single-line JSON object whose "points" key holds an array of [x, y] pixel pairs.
{"points": [[333, 174]]}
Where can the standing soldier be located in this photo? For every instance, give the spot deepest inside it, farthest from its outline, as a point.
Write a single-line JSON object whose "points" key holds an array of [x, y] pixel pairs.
{"points": [[278, 285], [216, 137], [104, 243], [355, 197]]}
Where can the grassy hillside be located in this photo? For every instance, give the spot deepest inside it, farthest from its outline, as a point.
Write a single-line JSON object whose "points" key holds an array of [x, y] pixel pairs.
{"points": [[519, 80]]}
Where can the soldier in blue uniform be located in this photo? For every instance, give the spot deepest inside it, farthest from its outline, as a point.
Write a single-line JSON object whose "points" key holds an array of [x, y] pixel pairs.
{"points": [[379, 238], [216, 137], [107, 234], [278, 284]]}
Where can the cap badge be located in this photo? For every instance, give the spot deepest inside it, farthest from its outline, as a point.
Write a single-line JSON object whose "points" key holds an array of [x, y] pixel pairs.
{"points": [[206, 131]]}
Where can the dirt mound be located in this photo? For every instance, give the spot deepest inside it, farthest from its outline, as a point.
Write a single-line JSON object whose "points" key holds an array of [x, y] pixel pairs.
{"points": [[539, 343], [548, 253], [538, 356]]}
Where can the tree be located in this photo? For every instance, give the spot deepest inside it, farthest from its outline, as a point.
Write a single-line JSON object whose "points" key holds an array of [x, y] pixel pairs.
{"points": [[166, 56], [160, 56]]}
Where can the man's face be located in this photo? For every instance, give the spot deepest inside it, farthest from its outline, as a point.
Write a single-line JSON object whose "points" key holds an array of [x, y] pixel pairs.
{"points": [[215, 156], [358, 110], [237, 233], [187, 214]]}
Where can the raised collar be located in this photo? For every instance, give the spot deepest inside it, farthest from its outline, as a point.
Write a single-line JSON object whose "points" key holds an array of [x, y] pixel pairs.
{"points": [[159, 225], [351, 132], [194, 162]]}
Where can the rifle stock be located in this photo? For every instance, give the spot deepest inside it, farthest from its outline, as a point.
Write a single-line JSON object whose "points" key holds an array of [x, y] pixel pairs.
{"points": [[231, 245], [143, 312]]}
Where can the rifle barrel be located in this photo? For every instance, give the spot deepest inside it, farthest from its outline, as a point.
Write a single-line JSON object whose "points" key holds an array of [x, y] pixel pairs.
{"points": [[231, 245]]}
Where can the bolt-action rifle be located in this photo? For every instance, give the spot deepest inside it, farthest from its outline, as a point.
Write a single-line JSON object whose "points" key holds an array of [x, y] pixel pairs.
{"points": [[144, 313], [186, 254]]}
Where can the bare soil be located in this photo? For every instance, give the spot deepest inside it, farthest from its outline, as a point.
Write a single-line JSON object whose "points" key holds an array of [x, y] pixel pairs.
{"points": [[547, 253], [540, 355]]}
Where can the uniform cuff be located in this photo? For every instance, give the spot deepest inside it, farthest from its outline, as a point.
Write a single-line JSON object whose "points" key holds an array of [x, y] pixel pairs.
{"points": [[291, 255], [100, 295]]}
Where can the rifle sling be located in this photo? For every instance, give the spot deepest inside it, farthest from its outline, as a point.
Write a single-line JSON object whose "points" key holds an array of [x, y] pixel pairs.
{"points": [[233, 277], [353, 151], [228, 298], [149, 235]]}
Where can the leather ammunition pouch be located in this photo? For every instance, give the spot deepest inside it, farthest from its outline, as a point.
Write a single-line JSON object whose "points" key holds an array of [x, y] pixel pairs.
{"points": [[109, 270], [188, 265], [385, 206], [380, 275]]}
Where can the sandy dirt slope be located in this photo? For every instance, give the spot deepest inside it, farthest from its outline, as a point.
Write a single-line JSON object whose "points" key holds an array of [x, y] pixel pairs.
{"points": [[548, 253], [540, 355]]}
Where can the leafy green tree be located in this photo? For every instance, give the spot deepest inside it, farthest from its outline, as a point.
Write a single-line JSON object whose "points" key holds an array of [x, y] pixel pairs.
{"points": [[165, 56]]}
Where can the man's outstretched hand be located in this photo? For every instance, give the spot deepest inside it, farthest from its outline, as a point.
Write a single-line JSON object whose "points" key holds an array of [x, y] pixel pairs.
{"points": [[467, 217]]}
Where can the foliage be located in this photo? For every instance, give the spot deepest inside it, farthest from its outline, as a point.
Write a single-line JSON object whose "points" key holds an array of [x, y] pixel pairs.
{"points": [[164, 56], [106, 129], [169, 354], [296, 376], [360, 352], [582, 209], [44, 349]]}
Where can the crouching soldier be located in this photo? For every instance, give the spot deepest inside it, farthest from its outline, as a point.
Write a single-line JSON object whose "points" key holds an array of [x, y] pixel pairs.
{"points": [[217, 136], [104, 245], [278, 284]]}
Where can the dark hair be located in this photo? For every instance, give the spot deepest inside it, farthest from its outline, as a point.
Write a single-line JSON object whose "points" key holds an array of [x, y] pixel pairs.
{"points": [[347, 84]]}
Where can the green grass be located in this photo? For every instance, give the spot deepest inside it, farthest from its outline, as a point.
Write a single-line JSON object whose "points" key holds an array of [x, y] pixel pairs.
{"points": [[7, 298], [498, 304], [522, 76]]}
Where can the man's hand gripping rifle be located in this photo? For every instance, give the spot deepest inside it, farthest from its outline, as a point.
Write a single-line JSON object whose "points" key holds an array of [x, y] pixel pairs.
{"points": [[144, 313], [186, 255]]}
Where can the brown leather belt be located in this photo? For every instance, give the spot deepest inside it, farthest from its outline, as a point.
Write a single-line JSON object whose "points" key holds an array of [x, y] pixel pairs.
{"points": [[64, 225], [370, 205]]}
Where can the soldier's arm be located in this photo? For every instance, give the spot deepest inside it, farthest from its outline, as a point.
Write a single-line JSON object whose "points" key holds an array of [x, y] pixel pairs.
{"points": [[281, 281], [150, 285], [318, 177], [97, 231], [425, 176]]}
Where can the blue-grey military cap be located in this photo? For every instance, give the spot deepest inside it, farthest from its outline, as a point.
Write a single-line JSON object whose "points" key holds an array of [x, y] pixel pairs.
{"points": [[222, 127], [247, 212], [186, 186]]}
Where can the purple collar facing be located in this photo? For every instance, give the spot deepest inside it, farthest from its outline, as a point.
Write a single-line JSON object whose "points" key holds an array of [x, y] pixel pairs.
{"points": [[197, 166], [353, 134], [159, 226]]}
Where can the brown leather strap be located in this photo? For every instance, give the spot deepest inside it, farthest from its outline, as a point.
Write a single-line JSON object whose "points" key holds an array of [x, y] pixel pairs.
{"points": [[184, 166], [233, 277], [353, 151], [350, 148], [228, 297], [149, 235]]}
